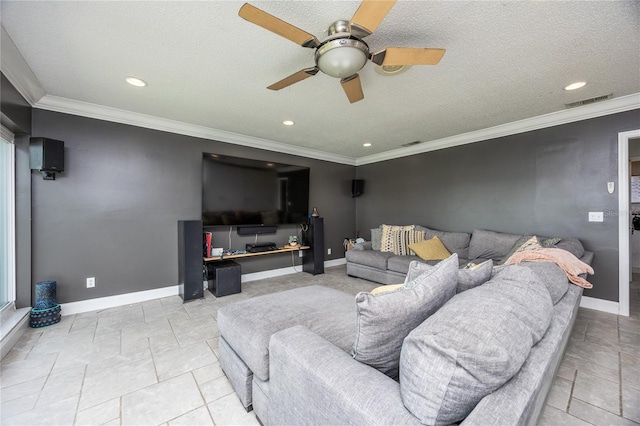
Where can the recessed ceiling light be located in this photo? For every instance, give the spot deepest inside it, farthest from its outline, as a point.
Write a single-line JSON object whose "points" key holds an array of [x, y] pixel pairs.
{"points": [[288, 123], [135, 81], [576, 85], [367, 144]]}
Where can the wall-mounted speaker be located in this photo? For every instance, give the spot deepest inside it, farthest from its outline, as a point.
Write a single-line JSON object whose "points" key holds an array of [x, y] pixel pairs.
{"points": [[357, 187], [46, 156]]}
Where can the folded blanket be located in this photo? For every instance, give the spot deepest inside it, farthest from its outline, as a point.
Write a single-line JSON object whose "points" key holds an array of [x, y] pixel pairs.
{"points": [[571, 265]]}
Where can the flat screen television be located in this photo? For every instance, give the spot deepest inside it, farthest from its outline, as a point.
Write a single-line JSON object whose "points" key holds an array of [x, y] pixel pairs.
{"points": [[240, 191]]}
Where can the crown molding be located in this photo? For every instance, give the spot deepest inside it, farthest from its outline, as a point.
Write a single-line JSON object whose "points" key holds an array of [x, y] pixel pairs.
{"points": [[17, 71], [89, 110], [611, 106]]}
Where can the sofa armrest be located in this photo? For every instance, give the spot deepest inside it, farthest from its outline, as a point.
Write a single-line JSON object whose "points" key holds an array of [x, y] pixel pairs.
{"points": [[366, 245], [311, 381]]}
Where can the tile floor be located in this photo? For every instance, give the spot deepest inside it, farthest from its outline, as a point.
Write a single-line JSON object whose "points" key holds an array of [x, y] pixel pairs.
{"points": [[155, 363], [598, 382]]}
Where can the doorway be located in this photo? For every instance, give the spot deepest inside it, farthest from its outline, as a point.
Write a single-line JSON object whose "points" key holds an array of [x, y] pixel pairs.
{"points": [[624, 219]]}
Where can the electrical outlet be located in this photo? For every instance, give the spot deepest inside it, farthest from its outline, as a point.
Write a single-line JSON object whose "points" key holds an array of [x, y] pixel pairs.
{"points": [[91, 282], [596, 216], [299, 253], [329, 251]]}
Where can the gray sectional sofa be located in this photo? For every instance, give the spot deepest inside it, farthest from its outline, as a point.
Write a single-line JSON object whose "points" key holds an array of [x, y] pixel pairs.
{"points": [[366, 260], [426, 353]]}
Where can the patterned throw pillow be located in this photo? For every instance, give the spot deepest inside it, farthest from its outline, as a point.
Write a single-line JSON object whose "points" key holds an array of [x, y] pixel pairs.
{"points": [[526, 242], [388, 241]]}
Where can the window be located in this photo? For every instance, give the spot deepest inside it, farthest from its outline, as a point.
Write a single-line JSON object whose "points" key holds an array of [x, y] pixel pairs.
{"points": [[7, 219]]}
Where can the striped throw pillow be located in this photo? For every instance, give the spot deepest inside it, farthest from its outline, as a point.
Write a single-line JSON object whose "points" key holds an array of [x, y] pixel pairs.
{"points": [[387, 242]]}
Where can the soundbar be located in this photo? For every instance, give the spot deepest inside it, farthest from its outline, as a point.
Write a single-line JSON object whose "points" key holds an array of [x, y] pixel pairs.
{"points": [[260, 247], [256, 229]]}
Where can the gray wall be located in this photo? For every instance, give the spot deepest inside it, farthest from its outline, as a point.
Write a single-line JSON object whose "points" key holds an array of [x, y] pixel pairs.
{"points": [[16, 116], [113, 213], [542, 182]]}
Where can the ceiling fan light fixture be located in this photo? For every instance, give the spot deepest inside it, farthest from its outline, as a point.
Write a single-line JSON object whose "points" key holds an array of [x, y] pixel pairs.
{"points": [[342, 57]]}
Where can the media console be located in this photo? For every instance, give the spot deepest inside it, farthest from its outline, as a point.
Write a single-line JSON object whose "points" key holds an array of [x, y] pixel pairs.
{"points": [[259, 253]]}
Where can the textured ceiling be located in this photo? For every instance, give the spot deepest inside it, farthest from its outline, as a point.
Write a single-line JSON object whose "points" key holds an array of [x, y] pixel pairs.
{"points": [[505, 61]]}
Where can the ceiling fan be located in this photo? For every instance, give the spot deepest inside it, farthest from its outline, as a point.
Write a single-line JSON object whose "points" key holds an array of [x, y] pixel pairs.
{"points": [[343, 52]]}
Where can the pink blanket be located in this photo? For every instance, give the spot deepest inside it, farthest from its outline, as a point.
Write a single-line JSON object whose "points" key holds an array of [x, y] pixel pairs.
{"points": [[570, 264]]}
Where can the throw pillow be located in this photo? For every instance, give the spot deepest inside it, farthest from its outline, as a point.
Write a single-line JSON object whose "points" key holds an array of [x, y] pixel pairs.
{"points": [[387, 243], [385, 319], [432, 249], [474, 276], [386, 288], [469, 277], [472, 346], [402, 240], [376, 238], [524, 243]]}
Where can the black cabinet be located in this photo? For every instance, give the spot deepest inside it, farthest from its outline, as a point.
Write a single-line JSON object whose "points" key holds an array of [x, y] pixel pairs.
{"points": [[224, 277], [313, 259]]}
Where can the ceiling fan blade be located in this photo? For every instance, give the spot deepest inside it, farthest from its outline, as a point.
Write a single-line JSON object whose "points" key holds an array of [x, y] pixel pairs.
{"points": [[352, 88], [278, 26], [370, 14], [407, 56], [294, 78]]}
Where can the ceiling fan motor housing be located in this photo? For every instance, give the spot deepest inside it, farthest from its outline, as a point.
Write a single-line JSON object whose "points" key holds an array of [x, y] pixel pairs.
{"points": [[342, 57]]}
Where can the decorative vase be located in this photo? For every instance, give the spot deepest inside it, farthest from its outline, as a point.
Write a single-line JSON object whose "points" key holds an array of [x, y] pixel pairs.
{"points": [[314, 212]]}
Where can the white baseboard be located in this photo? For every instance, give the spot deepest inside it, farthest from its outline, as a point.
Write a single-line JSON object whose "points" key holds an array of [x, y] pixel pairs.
{"points": [[287, 271], [335, 262], [117, 300], [600, 305], [270, 273], [99, 303]]}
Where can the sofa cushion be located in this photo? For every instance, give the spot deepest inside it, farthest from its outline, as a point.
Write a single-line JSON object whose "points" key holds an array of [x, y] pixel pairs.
{"points": [[401, 264], [572, 245], [431, 249], [385, 319], [376, 238], [490, 244], [248, 325], [373, 258], [473, 345], [455, 242], [388, 243], [469, 277]]}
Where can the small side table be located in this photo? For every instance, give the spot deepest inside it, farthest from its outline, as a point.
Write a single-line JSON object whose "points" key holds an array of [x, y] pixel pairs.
{"points": [[223, 277]]}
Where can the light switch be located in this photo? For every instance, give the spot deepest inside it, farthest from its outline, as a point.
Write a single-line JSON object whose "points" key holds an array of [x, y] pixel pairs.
{"points": [[596, 217]]}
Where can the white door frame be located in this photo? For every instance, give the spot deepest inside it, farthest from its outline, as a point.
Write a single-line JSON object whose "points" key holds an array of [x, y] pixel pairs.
{"points": [[624, 253]]}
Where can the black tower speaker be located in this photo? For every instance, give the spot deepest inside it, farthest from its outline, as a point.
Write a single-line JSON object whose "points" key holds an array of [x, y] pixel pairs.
{"points": [[357, 187], [190, 270], [313, 259], [46, 155]]}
